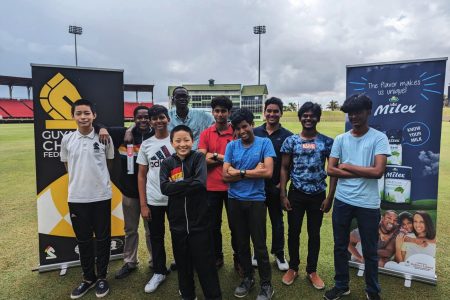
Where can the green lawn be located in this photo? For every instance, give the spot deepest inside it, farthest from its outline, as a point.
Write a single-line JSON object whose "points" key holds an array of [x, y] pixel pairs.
{"points": [[19, 242]]}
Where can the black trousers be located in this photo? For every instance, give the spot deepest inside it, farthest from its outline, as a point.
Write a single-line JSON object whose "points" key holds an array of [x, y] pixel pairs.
{"points": [[249, 221], [302, 203], [276, 219], [88, 219], [194, 251], [157, 230], [216, 200]]}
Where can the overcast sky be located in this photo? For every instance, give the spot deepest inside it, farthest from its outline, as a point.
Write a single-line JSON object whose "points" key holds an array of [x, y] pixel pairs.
{"points": [[304, 52]]}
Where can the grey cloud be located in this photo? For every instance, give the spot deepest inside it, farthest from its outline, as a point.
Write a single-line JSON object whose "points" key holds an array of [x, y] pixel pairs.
{"points": [[304, 52]]}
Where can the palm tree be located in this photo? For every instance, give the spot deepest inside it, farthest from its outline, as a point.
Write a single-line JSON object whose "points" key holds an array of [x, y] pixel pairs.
{"points": [[292, 106], [333, 105]]}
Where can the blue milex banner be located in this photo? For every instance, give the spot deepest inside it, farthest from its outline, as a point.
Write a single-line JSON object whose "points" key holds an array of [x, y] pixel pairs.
{"points": [[407, 106]]}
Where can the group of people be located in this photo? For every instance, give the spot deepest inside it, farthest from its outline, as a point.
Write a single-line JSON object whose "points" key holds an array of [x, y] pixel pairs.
{"points": [[400, 236], [188, 165]]}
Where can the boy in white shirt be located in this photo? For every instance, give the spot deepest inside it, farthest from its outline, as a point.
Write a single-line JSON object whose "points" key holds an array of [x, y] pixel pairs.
{"points": [[153, 203], [89, 198]]}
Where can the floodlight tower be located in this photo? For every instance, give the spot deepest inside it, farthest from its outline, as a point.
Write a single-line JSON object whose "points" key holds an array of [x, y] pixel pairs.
{"points": [[75, 30], [260, 29]]}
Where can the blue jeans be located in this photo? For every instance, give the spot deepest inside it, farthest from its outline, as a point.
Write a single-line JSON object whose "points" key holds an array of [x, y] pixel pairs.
{"points": [[368, 220]]}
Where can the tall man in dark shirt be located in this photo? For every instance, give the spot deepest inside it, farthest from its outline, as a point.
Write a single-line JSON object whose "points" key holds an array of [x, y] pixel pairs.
{"points": [[272, 129], [128, 185]]}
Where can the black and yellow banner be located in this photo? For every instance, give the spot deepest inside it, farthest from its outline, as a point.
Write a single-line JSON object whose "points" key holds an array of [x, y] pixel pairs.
{"points": [[55, 88]]}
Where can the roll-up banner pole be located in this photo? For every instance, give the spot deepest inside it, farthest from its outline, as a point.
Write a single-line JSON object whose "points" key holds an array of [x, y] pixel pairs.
{"points": [[55, 88], [407, 106]]}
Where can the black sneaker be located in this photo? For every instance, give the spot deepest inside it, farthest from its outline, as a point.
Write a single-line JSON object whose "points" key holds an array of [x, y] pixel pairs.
{"points": [[266, 292], [244, 288], [125, 271], [101, 288], [336, 293], [82, 289], [372, 296]]}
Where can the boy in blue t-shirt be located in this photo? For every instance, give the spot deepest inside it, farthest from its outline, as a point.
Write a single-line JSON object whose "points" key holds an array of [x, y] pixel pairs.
{"points": [[358, 158], [247, 162]]}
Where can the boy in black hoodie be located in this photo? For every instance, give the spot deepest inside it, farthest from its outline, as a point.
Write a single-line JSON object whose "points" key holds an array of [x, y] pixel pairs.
{"points": [[183, 180]]}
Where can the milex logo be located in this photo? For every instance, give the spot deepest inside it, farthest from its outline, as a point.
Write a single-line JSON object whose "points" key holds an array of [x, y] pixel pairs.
{"points": [[394, 107], [395, 174]]}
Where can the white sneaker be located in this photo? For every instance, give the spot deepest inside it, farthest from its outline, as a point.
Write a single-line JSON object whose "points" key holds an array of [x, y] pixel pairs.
{"points": [[254, 262], [153, 284], [282, 263]]}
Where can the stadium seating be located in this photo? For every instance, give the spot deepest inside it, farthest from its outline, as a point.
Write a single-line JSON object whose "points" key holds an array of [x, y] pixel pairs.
{"points": [[12, 108], [23, 109], [130, 106]]}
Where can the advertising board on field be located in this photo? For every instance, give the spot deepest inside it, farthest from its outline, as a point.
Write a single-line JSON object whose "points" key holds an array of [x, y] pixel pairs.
{"points": [[55, 88], [407, 106]]}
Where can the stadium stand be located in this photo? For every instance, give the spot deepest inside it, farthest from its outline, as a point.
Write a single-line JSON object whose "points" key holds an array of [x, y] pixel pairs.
{"points": [[129, 108], [13, 108]]}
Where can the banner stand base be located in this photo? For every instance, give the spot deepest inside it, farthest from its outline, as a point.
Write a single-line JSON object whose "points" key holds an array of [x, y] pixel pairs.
{"points": [[408, 281], [407, 276], [360, 270], [63, 270], [69, 264]]}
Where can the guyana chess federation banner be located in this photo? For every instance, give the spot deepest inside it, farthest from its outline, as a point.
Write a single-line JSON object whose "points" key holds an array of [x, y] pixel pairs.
{"points": [[55, 88], [407, 106]]}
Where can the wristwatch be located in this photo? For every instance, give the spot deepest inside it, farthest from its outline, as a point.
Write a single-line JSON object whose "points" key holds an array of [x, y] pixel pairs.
{"points": [[215, 155], [242, 172]]}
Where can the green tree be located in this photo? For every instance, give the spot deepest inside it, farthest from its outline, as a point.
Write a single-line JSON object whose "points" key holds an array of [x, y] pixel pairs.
{"points": [[292, 106], [333, 105]]}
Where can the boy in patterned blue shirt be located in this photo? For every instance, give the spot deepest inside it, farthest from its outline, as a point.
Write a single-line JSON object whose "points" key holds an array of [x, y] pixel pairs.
{"points": [[303, 161]]}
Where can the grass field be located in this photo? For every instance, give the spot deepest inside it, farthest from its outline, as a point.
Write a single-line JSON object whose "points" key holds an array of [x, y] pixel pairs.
{"points": [[19, 239]]}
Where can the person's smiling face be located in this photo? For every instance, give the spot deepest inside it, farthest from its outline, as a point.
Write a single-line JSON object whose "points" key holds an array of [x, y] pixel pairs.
{"points": [[309, 120], [182, 143], [245, 131], [84, 117], [159, 122], [272, 114], [142, 120], [419, 225]]}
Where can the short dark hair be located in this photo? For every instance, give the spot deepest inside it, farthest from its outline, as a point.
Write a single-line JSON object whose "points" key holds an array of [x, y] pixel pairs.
{"points": [[309, 106], [404, 215], [181, 128], [429, 227], [242, 114], [158, 109], [83, 102], [357, 102], [389, 211], [138, 108], [274, 100], [223, 101], [179, 88]]}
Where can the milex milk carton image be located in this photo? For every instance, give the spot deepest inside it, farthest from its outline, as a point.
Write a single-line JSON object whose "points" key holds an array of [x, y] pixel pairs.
{"points": [[395, 143], [397, 184]]}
